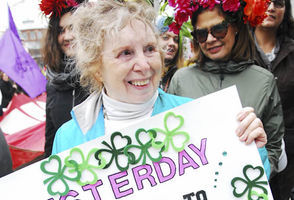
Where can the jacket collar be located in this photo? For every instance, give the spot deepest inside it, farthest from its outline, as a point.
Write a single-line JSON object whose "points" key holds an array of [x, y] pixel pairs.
{"points": [[87, 112], [229, 67]]}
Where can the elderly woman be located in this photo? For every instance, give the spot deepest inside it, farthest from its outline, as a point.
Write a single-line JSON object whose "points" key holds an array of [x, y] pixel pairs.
{"points": [[224, 57], [119, 59]]}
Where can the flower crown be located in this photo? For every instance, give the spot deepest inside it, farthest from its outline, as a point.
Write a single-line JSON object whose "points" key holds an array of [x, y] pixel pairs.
{"points": [[251, 11], [55, 7]]}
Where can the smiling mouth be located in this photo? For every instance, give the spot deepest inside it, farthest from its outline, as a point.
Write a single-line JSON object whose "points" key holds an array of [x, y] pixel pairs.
{"points": [[139, 83], [214, 48]]}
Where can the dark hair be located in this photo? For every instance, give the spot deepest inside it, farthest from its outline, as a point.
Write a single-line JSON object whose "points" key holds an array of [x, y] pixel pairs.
{"points": [[178, 60], [51, 51], [286, 28], [243, 48]]}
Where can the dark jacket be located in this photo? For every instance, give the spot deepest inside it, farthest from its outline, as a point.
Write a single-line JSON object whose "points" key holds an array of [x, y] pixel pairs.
{"points": [[283, 69], [62, 96], [5, 157], [165, 81], [7, 92], [256, 87]]}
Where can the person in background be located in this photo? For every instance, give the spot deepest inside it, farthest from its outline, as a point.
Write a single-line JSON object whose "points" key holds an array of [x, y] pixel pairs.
{"points": [[7, 88], [274, 41], [1, 110], [63, 88], [169, 42], [5, 157], [120, 60], [224, 53]]}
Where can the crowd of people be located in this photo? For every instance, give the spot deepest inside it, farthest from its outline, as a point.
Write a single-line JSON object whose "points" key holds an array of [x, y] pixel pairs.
{"points": [[113, 63]]}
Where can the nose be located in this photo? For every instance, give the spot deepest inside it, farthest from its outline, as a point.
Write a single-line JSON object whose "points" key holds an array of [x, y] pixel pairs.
{"points": [[171, 42], [68, 34], [271, 6], [141, 63], [210, 38]]}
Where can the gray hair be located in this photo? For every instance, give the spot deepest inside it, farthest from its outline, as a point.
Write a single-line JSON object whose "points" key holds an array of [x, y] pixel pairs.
{"points": [[92, 22]]}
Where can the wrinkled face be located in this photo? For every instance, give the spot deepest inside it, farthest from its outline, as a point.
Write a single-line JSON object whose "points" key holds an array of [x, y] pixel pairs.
{"points": [[213, 48], [274, 17], [65, 36], [169, 43], [131, 64]]}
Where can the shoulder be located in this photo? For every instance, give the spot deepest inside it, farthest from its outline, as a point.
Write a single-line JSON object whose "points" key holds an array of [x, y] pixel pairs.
{"points": [[65, 137], [67, 129], [167, 101], [186, 70], [168, 98], [260, 71]]}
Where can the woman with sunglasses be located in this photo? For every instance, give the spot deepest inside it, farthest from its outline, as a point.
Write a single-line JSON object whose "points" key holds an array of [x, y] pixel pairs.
{"points": [[274, 40], [224, 51]]}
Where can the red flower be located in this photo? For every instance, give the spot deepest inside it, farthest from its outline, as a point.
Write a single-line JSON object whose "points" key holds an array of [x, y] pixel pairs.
{"points": [[231, 5], [54, 7], [71, 3], [174, 27], [182, 16], [254, 11]]}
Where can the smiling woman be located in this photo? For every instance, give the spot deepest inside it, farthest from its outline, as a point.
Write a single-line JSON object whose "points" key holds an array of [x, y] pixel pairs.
{"points": [[224, 53], [120, 61]]}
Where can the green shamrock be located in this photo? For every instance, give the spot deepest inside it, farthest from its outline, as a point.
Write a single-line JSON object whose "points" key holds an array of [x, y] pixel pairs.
{"points": [[84, 165], [250, 184], [169, 134], [260, 196], [143, 147], [59, 175], [115, 153]]}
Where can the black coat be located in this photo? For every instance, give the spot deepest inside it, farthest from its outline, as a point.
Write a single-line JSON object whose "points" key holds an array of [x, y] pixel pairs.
{"points": [[61, 98], [5, 157], [7, 92], [283, 69]]}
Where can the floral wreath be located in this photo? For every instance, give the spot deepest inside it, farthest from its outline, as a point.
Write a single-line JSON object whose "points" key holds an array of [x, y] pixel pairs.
{"points": [[251, 11], [53, 8]]}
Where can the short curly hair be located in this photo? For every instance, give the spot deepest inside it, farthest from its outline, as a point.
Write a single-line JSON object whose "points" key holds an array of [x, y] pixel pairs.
{"points": [[92, 22]]}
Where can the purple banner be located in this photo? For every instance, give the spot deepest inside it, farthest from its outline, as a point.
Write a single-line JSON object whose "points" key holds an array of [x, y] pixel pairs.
{"points": [[20, 66]]}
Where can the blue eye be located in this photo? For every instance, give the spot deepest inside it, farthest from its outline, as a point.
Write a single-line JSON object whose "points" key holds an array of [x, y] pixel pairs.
{"points": [[125, 53], [150, 48]]}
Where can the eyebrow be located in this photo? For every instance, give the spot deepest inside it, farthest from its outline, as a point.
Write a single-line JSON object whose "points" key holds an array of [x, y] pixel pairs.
{"points": [[210, 26]]}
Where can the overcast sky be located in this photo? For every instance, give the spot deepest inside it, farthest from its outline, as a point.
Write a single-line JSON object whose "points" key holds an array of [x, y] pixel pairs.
{"points": [[26, 14]]}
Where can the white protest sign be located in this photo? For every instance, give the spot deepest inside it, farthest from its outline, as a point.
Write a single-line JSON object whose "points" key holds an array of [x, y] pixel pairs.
{"points": [[213, 165]]}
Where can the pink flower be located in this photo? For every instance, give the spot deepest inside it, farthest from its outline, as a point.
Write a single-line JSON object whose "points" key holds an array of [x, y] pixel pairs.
{"points": [[231, 5], [183, 3], [209, 3], [182, 16], [172, 3]]}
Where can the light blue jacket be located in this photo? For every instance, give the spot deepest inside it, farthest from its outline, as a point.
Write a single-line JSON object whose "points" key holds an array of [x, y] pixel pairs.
{"points": [[85, 125]]}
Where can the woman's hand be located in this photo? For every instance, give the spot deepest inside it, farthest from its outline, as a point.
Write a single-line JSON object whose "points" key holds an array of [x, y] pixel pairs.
{"points": [[250, 128]]}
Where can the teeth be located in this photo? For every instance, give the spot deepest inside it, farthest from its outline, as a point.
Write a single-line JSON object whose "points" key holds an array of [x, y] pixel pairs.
{"points": [[140, 83]]}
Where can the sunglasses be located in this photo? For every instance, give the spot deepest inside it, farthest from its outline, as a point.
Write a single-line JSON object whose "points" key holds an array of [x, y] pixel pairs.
{"points": [[277, 3], [219, 31]]}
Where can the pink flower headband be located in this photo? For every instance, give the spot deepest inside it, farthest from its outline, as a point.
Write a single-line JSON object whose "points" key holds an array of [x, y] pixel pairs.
{"points": [[253, 12]]}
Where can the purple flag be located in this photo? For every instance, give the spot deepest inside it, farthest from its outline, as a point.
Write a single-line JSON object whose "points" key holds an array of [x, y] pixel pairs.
{"points": [[20, 66], [12, 24]]}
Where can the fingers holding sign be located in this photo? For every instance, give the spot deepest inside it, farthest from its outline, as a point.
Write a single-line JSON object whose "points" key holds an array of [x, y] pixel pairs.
{"points": [[250, 128]]}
